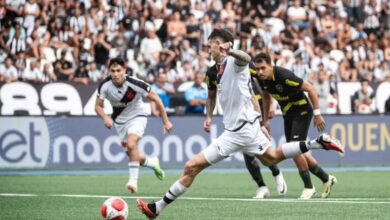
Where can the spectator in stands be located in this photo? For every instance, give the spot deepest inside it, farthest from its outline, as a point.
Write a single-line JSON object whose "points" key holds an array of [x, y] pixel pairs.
{"points": [[63, 68], [323, 90], [32, 74], [48, 74], [81, 75], [196, 96], [101, 50], [151, 45], [176, 27], [8, 72], [296, 15], [193, 32], [164, 90], [94, 74], [363, 98]]}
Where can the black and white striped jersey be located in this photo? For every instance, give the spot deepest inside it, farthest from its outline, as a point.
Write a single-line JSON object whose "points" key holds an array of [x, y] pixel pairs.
{"points": [[126, 100]]}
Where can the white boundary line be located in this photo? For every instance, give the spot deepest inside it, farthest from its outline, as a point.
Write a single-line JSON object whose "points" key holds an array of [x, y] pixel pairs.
{"points": [[286, 200]]}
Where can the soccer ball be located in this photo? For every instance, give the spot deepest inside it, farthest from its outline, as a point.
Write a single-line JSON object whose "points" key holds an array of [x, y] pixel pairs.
{"points": [[115, 208]]}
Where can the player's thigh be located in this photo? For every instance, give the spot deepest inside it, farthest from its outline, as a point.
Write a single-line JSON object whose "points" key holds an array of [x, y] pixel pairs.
{"points": [[197, 163], [137, 126], [222, 147]]}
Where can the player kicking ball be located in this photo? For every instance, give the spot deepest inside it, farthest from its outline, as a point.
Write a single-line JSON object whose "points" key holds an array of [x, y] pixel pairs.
{"points": [[129, 116], [242, 130]]}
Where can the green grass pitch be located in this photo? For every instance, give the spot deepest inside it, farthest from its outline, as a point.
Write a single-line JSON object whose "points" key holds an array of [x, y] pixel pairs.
{"points": [[357, 195]]}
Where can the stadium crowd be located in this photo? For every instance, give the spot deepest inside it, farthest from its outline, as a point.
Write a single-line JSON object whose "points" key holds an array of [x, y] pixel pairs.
{"points": [[165, 41]]}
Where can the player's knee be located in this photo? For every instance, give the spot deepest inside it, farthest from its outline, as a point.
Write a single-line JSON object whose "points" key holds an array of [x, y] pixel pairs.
{"points": [[191, 168], [131, 146]]}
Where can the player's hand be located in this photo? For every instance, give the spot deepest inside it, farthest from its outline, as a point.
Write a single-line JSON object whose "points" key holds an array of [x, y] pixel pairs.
{"points": [[271, 113], [168, 127], [225, 47], [319, 123], [267, 126], [107, 122], [207, 125], [265, 132]]}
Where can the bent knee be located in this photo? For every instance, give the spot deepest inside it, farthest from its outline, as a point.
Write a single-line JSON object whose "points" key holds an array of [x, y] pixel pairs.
{"points": [[191, 168]]}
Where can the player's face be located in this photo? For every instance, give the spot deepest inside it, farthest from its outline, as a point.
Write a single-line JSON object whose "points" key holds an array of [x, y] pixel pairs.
{"points": [[263, 70], [117, 73], [214, 49]]}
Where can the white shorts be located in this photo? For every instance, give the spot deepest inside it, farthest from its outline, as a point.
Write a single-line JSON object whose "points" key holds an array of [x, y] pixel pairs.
{"points": [[249, 139], [135, 126]]}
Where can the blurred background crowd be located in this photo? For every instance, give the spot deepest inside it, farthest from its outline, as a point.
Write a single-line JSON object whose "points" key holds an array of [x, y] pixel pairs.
{"points": [[164, 42]]}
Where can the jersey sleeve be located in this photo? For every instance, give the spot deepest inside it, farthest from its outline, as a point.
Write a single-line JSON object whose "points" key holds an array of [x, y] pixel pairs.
{"points": [[139, 86], [211, 78], [102, 89]]}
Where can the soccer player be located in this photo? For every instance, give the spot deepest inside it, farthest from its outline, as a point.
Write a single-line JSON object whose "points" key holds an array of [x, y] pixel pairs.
{"points": [[250, 161], [242, 131], [129, 116], [288, 90]]}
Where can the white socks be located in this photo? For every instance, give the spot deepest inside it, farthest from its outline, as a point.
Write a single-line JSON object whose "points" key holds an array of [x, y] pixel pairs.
{"points": [[313, 144], [293, 149], [150, 163], [133, 170], [176, 190]]}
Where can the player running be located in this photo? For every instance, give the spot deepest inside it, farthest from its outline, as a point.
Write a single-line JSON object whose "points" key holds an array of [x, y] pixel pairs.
{"points": [[129, 116], [288, 90], [251, 163], [242, 130]]}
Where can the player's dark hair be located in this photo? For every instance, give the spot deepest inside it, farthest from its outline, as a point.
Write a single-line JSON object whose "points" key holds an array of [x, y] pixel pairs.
{"points": [[223, 34], [262, 57], [116, 61]]}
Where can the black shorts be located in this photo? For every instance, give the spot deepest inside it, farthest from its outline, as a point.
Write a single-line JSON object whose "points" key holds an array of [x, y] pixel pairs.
{"points": [[296, 127]]}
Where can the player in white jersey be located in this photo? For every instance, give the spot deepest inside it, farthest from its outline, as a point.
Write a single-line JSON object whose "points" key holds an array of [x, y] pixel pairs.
{"points": [[242, 133], [129, 116]]}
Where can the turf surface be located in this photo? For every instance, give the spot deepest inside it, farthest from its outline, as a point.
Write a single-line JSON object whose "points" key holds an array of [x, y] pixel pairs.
{"points": [[357, 195]]}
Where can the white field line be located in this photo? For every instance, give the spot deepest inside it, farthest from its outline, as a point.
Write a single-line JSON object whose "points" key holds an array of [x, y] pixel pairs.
{"points": [[286, 200]]}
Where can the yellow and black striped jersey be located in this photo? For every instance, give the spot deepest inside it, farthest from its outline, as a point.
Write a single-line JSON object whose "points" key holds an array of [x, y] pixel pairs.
{"points": [[285, 88]]}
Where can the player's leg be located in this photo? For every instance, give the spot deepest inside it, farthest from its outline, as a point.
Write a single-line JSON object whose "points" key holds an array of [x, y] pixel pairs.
{"points": [[137, 126], [298, 127], [255, 171], [327, 180], [301, 126], [214, 153], [292, 149], [134, 162]]}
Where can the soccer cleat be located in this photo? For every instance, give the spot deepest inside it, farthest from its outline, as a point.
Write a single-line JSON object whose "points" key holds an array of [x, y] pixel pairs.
{"points": [[143, 207], [132, 186], [281, 185], [157, 169], [330, 143], [307, 193], [262, 193], [328, 186]]}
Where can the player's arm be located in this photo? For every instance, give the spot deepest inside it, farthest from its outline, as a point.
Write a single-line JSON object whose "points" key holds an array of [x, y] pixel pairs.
{"points": [[210, 105], [241, 58], [163, 114], [319, 121], [266, 99], [99, 109]]}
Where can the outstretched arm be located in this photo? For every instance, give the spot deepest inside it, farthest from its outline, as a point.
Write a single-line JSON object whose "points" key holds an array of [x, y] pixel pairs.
{"points": [[319, 121], [163, 114]]}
